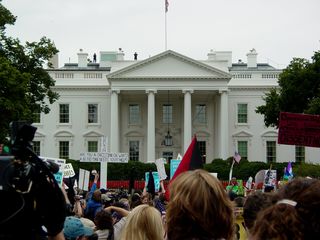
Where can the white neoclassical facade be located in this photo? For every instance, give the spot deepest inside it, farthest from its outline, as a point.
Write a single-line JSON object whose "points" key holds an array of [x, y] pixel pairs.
{"points": [[152, 108]]}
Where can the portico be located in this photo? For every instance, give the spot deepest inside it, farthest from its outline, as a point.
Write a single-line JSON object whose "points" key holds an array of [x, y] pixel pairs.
{"points": [[141, 114]]}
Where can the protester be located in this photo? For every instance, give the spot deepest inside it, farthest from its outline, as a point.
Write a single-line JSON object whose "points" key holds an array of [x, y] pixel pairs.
{"points": [[75, 230], [199, 208], [294, 215], [144, 222], [104, 225], [119, 225], [255, 202], [94, 203]]}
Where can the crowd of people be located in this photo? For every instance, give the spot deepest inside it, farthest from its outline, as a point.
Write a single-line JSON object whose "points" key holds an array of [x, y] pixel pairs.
{"points": [[199, 208]]}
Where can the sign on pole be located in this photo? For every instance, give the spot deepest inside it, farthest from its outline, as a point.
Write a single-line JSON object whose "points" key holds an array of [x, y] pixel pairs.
{"points": [[84, 176], [160, 168], [174, 163], [103, 165], [68, 171], [299, 129], [155, 179], [104, 157]]}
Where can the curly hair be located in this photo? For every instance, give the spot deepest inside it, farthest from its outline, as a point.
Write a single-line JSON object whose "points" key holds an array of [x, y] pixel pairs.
{"points": [[199, 208], [294, 215], [103, 220]]}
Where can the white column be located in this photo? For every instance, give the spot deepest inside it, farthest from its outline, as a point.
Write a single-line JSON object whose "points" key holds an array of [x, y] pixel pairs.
{"points": [[187, 119], [151, 135], [224, 134], [114, 131]]}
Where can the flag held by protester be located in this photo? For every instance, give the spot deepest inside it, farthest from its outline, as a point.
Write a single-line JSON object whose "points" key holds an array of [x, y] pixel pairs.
{"points": [[191, 160], [288, 173]]}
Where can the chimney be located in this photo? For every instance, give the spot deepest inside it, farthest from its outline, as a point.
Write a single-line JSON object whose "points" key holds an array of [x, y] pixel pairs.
{"points": [[135, 55], [120, 55], [54, 61], [252, 58], [224, 56], [82, 59]]}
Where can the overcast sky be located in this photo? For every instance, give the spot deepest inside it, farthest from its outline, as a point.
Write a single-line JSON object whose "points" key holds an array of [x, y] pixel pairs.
{"points": [[278, 29]]}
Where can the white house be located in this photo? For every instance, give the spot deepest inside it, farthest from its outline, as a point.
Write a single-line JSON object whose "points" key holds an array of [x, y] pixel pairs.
{"points": [[152, 108]]}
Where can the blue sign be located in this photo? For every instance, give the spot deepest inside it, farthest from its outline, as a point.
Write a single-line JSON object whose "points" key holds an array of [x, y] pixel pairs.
{"points": [[156, 180], [174, 163]]}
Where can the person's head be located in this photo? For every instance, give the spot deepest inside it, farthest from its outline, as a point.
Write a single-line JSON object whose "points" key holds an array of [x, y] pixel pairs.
{"points": [[146, 198], [74, 229], [103, 220], [295, 213], [234, 181], [198, 199], [96, 196], [253, 204], [143, 222]]}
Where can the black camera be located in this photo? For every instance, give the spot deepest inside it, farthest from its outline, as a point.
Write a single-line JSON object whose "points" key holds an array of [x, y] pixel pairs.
{"points": [[31, 197]]}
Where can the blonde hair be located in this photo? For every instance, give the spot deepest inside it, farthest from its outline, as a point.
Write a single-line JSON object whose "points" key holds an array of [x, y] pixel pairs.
{"points": [[199, 208], [143, 223]]}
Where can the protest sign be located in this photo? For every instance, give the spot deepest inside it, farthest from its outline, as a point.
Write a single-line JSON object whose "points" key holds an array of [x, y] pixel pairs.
{"points": [[174, 163], [68, 171], [155, 178], [61, 163], [84, 176], [160, 168]]}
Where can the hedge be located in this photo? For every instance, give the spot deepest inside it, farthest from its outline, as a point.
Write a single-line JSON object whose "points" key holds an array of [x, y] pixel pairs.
{"points": [[243, 170]]}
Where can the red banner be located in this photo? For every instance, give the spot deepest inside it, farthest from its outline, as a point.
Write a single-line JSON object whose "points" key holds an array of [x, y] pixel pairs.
{"points": [[299, 129]]}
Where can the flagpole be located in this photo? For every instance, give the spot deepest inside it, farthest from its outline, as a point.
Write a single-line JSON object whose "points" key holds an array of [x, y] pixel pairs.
{"points": [[165, 28]]}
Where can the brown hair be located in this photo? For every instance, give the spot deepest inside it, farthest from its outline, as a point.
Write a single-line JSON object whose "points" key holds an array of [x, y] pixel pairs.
{"points": [[255, 203], [295, 213], [199, 208], [143, 222]]}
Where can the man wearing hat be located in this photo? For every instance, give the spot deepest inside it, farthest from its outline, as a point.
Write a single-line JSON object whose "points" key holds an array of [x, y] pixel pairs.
{"points": [[75, 230]]}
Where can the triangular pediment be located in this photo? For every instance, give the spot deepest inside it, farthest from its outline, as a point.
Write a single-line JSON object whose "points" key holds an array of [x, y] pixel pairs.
{"points": [[169, 64]]}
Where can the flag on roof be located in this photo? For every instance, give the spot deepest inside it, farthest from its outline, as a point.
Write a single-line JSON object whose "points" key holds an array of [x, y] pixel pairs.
{"points": [[237, 157], [191, 160]]}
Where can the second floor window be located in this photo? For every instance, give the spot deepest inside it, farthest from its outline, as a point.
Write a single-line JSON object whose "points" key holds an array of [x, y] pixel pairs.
{"points": [[134, 114], [166, 113], [37, 115], [200, 114], [242, 113], [92, 113], [64, 113]]}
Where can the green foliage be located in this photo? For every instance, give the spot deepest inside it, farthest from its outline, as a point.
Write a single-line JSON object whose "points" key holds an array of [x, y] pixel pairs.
{"points": [[298, 91], [25, 86], [243, 170]]}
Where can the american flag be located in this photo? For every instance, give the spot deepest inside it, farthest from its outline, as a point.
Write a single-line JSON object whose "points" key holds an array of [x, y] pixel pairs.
{"points": [[237, 157], [166, 5]]}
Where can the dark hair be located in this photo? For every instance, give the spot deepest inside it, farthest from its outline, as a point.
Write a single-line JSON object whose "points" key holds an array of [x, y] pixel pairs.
{"points": [[103, 220], [294, 215], [253, 204]]}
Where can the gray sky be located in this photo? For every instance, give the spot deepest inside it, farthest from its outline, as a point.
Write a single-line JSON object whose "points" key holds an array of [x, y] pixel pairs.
{"points": [[278, 29]]}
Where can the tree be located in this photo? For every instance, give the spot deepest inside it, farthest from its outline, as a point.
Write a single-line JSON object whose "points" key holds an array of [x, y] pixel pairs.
{"points": [[25, 87], [298, 92]]}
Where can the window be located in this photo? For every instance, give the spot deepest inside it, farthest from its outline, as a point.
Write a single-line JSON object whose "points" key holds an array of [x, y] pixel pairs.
{"points": [[92, 146], [166, 113], [37, 115], [168, 156], [271, 151], [64, 149], [64, 113], [200, 116], [300, 154], [92, 113], [243, 149], [134, 114], [242, 113], [134, 150], [36, 147], [203, 150]]}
